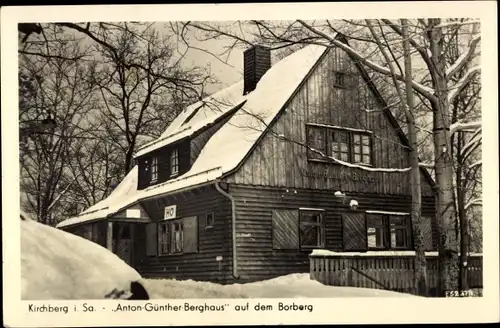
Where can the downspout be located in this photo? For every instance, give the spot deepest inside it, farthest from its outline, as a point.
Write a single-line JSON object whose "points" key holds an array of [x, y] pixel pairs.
{"points": [[233, 226]]}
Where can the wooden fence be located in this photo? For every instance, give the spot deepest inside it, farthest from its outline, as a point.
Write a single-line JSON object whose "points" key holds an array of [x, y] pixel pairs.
{"points": [[394, 273]]}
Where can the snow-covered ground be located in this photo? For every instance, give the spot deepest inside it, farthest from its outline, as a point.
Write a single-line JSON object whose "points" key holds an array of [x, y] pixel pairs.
{"points": [[60, 266], [56, 265], [289, 286]]}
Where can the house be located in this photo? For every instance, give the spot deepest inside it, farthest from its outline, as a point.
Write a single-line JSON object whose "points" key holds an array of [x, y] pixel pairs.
{"points": [[243, 185]]}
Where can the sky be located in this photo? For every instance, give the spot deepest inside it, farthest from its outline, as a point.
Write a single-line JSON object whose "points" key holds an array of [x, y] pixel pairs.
{"points": [[227, 74]]}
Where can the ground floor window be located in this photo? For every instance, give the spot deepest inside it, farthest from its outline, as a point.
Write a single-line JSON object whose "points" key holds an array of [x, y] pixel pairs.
{"points": [[311, 229], [298, 228], [385, 231], [176, 236]]}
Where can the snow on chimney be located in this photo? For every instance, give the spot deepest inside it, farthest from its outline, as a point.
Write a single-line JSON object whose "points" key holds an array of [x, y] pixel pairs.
{"points": [[256, 62]]}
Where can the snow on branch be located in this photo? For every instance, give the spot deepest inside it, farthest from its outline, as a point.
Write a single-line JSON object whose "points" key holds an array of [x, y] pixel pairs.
{"points": [[464, 58], [478, 163], [458, 126], [426, 165], [474, 202], [357, 166], [468, 76]]}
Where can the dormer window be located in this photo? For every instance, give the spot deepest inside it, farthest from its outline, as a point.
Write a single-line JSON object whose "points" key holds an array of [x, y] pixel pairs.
{"points": [[154, 170], [174, 162]]}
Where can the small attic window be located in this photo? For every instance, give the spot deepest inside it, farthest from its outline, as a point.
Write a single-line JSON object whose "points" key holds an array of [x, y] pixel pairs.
{"points": [[339, 79]]}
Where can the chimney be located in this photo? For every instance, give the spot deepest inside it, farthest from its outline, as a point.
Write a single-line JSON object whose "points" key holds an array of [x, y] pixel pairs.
{"points": [[256, 62]]}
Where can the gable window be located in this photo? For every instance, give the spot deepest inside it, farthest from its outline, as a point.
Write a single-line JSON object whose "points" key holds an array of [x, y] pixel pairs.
{"points": [[347, 145], [362, 151], [316, 140], [339, 144], [209, 220], [177, 236], [340, 79], [154, 170], [174, 162], [388, 231], [298, 229]]}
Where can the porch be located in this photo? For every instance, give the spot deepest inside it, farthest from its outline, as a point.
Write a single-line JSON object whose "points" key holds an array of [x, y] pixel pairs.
{"points": [[392, 272]]}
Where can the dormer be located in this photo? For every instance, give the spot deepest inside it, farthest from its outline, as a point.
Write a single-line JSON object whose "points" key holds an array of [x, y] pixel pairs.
{"points": [[165, 163]]}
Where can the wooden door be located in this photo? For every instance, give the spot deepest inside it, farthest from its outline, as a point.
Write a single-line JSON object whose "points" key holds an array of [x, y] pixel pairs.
{"points": [[123, 241]]}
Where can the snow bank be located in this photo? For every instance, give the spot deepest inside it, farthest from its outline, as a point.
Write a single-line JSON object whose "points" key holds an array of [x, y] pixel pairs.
{"points": [[289, 286], [58, 265]]}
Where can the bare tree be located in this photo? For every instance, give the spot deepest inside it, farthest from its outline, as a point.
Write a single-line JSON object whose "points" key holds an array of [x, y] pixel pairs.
{"points": [[52, 90]]}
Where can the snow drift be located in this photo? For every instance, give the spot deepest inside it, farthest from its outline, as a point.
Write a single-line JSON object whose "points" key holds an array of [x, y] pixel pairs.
{"points": [[289, 286], [56, 265]]}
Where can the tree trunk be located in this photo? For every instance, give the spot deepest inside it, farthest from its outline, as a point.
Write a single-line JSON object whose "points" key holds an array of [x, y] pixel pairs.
{"points": [[462, 217], [445, 212], [416, 195]]}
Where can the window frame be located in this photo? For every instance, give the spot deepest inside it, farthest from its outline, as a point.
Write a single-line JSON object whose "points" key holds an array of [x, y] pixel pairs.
{"points": [[328, 134], [343, 76], [207, 225], [171, 242], [153, 171], [173, 237], [310, 153], [386, 226], [163, 242], [320, 225], [171, 162]]}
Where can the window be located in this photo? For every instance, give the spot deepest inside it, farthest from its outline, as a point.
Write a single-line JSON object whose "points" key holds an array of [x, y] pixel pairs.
{"points": [[298, 229], [362, 150], [174, 162], [400, 231], [209, 220], [154, 169], [163, 242], [339, 144], [340, 78], [376, 232], [317, 141], [311, 229], [388, 231], [179, 236], [343, 144]]}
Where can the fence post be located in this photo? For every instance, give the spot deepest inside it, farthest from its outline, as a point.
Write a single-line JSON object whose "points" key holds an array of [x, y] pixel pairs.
{"points": [[349, 276]]}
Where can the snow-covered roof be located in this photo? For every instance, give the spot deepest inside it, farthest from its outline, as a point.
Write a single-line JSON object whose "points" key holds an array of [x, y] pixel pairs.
{"points": [[200, 115], [123, 195], [230, 144]]}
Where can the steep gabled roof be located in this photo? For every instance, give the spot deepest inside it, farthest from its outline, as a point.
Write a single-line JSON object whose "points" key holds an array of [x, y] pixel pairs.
{"points": [[197, 116], [229, 146]]}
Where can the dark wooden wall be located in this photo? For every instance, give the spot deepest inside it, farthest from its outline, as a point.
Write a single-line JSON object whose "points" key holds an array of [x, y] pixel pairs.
{"points": [[98, 231], [212, 242], [255, 255], [320, 102]]}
